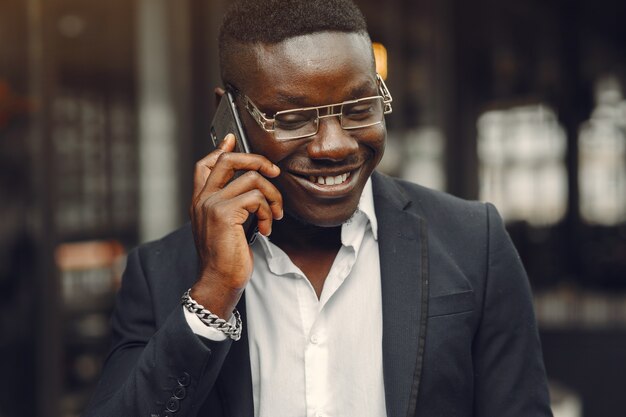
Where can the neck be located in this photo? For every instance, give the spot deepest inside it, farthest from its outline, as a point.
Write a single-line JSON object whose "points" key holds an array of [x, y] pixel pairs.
{"points": [[291, 234], [311, 248]]}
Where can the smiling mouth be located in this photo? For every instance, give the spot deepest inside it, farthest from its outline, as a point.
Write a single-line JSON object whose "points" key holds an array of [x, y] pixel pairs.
{"points": [[329, 179], [329, 186]]}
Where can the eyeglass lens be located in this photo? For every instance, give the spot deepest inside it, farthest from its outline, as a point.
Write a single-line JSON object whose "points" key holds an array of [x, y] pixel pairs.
{"points": [[302, 123]]}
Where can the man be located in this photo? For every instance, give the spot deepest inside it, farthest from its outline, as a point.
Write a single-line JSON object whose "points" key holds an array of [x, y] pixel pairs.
{"points": [[362, 296]]}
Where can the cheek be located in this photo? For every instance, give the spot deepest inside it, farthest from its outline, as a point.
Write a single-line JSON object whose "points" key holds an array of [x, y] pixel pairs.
{"points": [[375, 139], [264, 144]]}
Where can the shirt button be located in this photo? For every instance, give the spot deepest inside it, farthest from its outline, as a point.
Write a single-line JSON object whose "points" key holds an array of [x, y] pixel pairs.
{"points": [[315, 340], [319, 414]]}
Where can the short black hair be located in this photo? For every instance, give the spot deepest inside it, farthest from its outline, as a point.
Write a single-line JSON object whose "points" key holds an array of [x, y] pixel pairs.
{"points": [[273, 21]]}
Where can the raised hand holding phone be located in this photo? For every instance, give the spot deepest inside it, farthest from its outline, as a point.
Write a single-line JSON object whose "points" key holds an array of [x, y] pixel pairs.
{"points": [[222, 202], [226, 121]]}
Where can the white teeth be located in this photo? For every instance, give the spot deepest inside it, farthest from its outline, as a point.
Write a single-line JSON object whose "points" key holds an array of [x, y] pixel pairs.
{"points": [[329, 180]]}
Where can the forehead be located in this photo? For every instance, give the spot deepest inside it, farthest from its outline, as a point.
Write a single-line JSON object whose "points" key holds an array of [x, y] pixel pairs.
{"points": [[316, 66]]}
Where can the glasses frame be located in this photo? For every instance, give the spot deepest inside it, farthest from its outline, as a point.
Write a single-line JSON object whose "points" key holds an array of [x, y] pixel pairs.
{"points": [[269, 123]]}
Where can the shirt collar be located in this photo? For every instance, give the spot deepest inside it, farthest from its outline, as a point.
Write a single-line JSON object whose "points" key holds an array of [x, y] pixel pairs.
{"points": [[366, 205]]}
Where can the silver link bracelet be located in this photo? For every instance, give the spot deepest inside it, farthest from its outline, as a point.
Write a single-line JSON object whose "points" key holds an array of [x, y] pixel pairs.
{"points": [[212, 320]]}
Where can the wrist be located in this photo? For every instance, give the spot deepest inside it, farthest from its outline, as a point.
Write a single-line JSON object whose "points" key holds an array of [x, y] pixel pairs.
{"points": [[217, 298]]}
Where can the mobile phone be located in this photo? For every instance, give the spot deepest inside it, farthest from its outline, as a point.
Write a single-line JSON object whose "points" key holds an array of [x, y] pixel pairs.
{"points": [[226, 120]]}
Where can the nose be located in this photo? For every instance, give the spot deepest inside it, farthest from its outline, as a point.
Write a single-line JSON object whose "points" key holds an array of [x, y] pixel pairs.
{"points": [[332, 142]]}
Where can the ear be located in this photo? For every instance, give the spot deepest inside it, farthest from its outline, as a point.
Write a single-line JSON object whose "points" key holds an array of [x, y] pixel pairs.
{"points": [[219, 92]]}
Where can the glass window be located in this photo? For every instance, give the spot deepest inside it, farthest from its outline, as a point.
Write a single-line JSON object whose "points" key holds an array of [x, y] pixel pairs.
{"points": [[424, 153], [522, 171], [602, 158]]}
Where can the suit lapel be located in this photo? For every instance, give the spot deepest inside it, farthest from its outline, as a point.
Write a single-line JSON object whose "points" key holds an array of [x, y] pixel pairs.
{"points": [[235, 384], [404, 275]]}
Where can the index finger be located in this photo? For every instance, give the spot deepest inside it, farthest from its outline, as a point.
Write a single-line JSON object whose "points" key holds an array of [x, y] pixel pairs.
{"points": [[228, 163], [205, 165]]}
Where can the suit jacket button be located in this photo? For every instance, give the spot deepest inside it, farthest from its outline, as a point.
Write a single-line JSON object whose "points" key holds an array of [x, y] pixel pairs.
{"points": [[173, 405], [184, 380], [180, 392]]}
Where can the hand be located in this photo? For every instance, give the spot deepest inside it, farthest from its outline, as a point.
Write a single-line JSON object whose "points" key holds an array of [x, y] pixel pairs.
{"points": [[218, 210]]}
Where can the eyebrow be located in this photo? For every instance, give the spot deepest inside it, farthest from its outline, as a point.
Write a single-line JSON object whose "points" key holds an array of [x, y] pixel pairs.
{"points": [[297, 101]]}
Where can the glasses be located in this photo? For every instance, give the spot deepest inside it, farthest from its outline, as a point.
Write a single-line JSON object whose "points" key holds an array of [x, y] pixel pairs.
{"points": [[304, 122]]}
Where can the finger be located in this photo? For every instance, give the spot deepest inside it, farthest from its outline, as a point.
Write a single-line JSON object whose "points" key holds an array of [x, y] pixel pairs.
{"points": [[228, 144], [264, 215], [252, 180], [205, 165], [228, 163], [237, 210]]}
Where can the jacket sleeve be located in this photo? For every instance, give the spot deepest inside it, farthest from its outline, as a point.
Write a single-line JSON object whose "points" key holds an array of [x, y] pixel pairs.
{"points": [[510, 378], [153, 372]]}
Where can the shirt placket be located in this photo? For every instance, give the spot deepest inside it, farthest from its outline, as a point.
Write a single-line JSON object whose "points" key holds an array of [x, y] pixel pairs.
{"points": [[315, 348], [316, 370], [315, 325]]}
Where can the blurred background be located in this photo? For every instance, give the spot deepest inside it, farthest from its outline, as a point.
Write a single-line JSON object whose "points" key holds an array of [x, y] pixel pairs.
{"points": [[105, 105]]}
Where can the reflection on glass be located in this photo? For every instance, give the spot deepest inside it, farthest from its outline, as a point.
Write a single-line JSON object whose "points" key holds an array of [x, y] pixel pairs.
{"points": [[521, 153], [602, 158], [424, 157]]}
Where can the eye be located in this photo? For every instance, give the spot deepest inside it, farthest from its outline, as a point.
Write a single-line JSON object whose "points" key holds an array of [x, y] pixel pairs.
{"points": [[294, 120], [360, 110]]}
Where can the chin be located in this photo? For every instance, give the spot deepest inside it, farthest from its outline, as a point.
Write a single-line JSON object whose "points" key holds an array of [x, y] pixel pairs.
{"points": [[337, 219]]}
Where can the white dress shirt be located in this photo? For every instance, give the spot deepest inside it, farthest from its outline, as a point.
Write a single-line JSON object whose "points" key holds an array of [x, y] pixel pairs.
{"points": [[315, 357]]}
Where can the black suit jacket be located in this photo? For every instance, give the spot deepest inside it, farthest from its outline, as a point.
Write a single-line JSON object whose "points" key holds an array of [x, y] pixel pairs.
{"points": [[459, 333]]}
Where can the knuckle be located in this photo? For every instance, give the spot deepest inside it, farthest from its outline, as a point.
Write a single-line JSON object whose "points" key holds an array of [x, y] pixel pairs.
{"points": [[206, 161], [206, 206], [257, 194], [219, 211], [275, 198], [253, 176], [197, 170], [265, 214], [195, 205], [224, 158], [278, 197]]}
